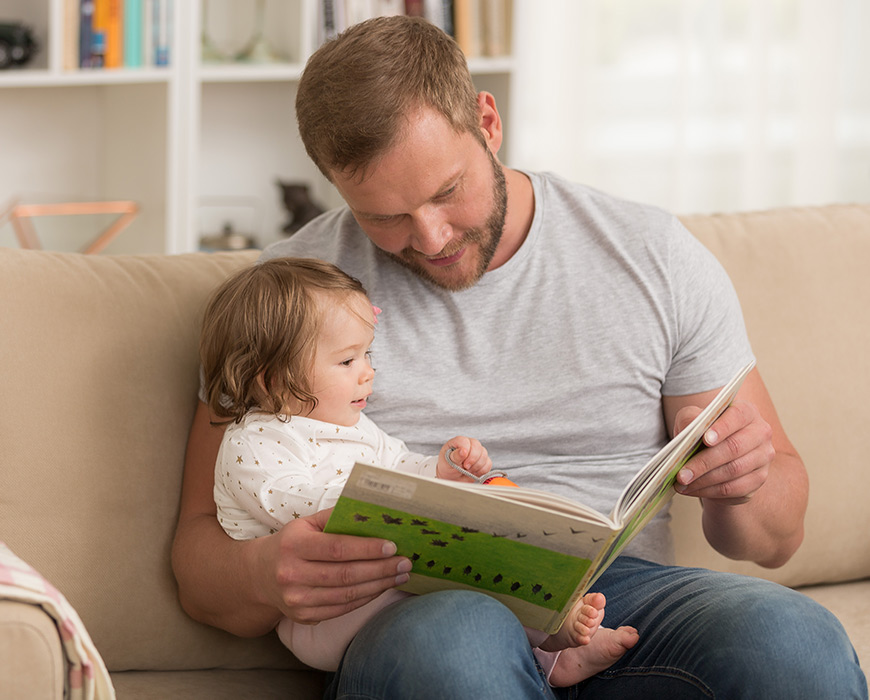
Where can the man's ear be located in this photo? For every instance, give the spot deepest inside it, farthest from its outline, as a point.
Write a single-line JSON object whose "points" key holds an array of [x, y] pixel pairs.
{"points": [[490, 121]]}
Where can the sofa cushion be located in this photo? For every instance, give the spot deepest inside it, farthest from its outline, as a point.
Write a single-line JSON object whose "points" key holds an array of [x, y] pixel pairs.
{"points": [[31, 658], [99, 385], [801, 275], [850, 603], [220, 684]]}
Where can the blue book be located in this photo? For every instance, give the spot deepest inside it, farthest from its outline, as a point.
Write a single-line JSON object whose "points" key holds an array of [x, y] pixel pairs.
{"points": [[86, 33], [162, 31], [133, 55]]}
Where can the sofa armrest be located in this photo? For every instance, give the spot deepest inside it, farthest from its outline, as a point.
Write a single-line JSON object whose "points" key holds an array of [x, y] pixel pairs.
{"points": [[32, 664]]}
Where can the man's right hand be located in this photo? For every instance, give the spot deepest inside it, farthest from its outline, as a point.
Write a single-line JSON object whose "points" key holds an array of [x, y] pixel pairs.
{"points": [[317, 576]]}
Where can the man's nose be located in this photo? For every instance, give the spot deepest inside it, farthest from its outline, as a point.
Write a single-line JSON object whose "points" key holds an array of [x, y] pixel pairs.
{"points": [[431, 231]]}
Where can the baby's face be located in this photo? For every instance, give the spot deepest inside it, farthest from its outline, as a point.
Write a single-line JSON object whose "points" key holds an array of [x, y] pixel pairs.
{"points": [[342, 375]]}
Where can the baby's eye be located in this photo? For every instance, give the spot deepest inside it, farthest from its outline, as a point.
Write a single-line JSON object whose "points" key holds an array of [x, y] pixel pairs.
{"points": [[347, 363]]}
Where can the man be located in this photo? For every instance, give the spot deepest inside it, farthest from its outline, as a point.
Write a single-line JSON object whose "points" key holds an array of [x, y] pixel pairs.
{"points": [[572, 333]]}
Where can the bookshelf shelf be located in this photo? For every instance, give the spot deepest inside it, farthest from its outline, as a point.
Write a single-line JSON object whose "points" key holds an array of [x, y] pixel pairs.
{"points": [[187, 141], [47, 78], [229, 73]]}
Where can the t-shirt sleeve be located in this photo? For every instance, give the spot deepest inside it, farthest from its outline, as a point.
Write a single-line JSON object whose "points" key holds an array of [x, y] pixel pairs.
{"points": [[711, 339]]}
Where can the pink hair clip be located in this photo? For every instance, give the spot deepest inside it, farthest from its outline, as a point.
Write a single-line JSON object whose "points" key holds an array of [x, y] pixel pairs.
{"points": [[376, 311]]}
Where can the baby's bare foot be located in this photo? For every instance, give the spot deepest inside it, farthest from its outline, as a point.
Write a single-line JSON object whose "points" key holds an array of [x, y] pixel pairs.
{"points": [[605, 648], [580, 625]]}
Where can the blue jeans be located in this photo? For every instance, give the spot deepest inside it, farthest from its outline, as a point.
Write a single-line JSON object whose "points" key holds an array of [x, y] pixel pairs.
{"points": [[702, 635]]}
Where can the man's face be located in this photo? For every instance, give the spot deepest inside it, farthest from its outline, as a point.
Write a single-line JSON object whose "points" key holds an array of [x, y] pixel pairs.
{"points": [[435, 202]]}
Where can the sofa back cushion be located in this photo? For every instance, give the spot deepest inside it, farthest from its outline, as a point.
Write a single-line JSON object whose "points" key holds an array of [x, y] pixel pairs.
{"points": [[802, 278], [98, 359]]}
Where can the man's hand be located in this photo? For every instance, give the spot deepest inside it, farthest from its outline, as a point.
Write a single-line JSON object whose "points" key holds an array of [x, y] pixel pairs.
{"points": [[316, 576], [751, 481], [736, 461]]}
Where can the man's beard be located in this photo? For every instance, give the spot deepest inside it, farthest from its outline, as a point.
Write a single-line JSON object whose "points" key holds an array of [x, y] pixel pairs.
{"points": [[486, 237]]}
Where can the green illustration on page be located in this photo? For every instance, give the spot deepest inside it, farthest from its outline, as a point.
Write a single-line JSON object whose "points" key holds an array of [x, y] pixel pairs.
{"points": [[465, 556]]}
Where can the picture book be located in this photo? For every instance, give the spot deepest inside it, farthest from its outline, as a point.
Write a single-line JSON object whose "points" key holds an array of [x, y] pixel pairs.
{"points": [[535, 551]]}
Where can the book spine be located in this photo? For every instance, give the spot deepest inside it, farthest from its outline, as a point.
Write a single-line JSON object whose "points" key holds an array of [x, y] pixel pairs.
{"points": [[439, 13], [162, 32], [71, 14], [356, 11], [446, 15], [496, 22], [391, 7], [99, 28], [327, 20], [114, 34], [86, 13], [415, 8], [149, 12], [133, 33], [467, 26]]}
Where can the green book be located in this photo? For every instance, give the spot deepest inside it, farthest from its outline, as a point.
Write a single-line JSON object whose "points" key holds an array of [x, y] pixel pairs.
{"points": [[535, 551]]}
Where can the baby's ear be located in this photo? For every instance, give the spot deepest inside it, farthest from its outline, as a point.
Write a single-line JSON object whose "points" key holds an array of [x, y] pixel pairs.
{"points": [[261, 383], [262, 391]]}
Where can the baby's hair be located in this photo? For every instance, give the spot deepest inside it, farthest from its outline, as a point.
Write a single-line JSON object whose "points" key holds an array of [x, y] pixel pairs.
{"points": [[259, 335]]}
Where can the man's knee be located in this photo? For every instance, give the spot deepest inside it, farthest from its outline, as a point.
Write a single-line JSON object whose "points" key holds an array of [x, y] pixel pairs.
{"points": [[783, 642], [445, 644], [456, 622]]}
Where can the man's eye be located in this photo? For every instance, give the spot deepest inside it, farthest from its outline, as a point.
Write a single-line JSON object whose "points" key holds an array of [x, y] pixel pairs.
{"points": [[446, 194], [384, 220], [387, 221]]}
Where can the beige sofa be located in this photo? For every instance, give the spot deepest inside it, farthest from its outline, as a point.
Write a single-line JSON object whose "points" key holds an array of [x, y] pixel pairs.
{"points": [[99, 376]]}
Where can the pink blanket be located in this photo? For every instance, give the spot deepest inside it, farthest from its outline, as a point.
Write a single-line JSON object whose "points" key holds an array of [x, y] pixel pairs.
{"points": [[88, 678]]}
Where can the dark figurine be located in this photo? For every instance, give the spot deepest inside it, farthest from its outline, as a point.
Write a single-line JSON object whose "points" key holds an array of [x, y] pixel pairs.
{"points": [[17, 45], [298, 203]]}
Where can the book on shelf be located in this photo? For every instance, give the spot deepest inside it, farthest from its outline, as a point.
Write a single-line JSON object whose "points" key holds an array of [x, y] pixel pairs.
{"points": [[117, 33], [85, 31], [114, 34], [535, 551], [480, 27], [134, 55], [483, 27]]}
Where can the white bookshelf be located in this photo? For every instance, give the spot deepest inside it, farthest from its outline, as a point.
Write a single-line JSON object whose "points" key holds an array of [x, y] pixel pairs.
{"points": [[195, 144]]}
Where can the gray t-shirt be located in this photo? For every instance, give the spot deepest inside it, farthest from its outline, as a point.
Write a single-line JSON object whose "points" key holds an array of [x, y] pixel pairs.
{"points": [[557, 360]]}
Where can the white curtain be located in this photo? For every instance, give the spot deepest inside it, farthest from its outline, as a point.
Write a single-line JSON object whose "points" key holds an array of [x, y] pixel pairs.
{"points": [[696, 105]]}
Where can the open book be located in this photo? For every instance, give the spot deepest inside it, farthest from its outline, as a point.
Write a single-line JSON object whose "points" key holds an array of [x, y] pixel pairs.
{"points": [[535, 551]]}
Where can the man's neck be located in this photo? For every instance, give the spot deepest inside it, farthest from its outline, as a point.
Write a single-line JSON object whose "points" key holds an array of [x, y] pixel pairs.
{"points": [[518, 221]]}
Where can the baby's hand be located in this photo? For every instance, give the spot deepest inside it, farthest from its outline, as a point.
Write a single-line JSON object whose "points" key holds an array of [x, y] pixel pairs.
{"points": [[468, 453]]}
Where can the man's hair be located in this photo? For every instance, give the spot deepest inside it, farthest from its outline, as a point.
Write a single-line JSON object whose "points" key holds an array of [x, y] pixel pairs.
{"points": [[259, 334], [358, 90]]}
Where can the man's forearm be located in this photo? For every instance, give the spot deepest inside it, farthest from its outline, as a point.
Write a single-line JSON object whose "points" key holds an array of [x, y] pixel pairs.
{"points": [[767, 529], [202, 555]]}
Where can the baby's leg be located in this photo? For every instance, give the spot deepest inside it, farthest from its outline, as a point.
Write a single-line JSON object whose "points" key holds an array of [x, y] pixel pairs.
{"points": [[587, 648]]}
